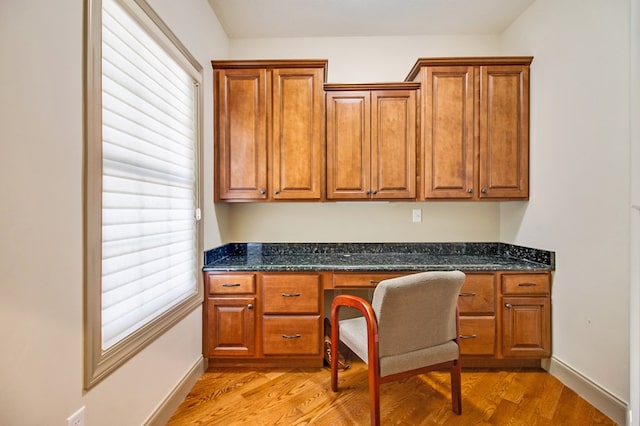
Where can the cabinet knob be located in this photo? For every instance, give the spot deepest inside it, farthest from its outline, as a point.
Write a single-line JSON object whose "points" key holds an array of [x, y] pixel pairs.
{"points": [[484, 190], [508, 305], [470, 190], [250, 306], [375, 192], [263, 191], [277, 191]]}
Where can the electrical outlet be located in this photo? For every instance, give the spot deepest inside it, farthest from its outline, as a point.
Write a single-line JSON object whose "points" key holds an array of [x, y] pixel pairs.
{"points": [[417, 215], [77, 418]]}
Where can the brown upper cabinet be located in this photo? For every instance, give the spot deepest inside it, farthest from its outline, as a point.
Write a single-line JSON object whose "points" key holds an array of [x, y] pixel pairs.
{"points": [[269, 130], [371, 141], [475, 127]]}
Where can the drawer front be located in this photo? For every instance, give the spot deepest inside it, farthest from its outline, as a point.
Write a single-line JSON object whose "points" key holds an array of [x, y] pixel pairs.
{"points": [[477, 335], [285, 293], [477, 295], [526, 284], [361, 280], [232, 283], [289, 335]]}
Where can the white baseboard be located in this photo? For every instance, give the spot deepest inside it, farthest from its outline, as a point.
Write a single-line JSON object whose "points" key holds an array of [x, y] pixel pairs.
{"points": [[165, 410], [603, 400]]}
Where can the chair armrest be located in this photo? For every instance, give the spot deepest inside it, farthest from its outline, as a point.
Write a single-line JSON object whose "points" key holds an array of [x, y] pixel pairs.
{"points": [[360, 304]]}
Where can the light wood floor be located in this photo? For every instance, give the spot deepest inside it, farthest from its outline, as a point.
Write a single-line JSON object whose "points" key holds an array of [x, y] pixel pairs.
{"points": [[225, 396]]}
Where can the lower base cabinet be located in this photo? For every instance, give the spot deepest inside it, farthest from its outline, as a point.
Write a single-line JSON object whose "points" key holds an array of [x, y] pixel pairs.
{"points": [[276, 319]]}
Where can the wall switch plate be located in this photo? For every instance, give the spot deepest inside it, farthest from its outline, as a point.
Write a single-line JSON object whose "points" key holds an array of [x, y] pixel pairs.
{"points": [[77, 418], [417, 215]]}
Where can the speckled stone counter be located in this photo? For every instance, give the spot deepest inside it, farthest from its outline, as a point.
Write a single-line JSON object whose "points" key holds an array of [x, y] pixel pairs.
{"points": [[377, 257]]}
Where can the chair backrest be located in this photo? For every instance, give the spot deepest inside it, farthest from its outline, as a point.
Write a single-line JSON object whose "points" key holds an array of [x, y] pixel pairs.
{"points": [[416, 311]]}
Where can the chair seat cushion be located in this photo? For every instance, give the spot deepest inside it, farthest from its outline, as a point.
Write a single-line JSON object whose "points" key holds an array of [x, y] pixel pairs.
{"points": [[353, 332]]}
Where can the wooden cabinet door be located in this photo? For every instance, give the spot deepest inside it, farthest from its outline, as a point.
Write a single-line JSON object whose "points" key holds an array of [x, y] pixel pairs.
{"points": [[448, 132], [526, 327], [241, 134], [504, 131], [348, 145], [230, 328], [298, 133], [393, 144]]}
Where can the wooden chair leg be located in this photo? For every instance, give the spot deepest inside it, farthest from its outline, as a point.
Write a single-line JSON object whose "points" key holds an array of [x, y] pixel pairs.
{"points": [[456, 387], [374, 394], [334, 356]]}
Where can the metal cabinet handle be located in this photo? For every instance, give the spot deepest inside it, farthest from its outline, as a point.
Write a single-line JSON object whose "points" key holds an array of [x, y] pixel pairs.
{"points": [[467, 294], [375, 192], [263, 191], [290, 294], [231, 285], [291, 336], [484, 190], [508, 305], [527, 284], [374, 281], [277, 191], [468, 336], [250, 306], [470, 190]]}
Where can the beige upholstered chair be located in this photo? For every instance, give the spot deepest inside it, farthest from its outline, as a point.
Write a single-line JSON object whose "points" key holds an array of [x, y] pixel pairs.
{"points": [[410, 327]]}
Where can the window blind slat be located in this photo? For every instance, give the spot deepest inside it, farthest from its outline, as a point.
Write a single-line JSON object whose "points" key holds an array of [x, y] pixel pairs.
{"points": [[149, 259]]}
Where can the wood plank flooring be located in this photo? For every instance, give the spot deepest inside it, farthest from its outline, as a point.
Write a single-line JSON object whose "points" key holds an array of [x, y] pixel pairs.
{"points": [[239, 396]]}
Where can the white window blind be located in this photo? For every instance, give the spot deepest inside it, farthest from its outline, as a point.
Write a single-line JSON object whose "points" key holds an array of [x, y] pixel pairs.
{"points": [[149, 197]]}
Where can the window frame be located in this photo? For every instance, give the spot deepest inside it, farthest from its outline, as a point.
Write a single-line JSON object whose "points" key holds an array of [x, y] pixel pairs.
{"points": [[99, 363]]}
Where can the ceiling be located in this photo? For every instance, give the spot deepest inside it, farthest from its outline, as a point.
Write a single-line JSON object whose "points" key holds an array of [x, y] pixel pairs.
{"points": [[335, 18]]}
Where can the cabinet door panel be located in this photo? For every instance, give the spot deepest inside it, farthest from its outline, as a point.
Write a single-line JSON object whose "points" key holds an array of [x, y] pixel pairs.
{"points": [[504, 131], [448, 133], [526, 327], [348, 144], [241, 134], [230, 327], [298, 133], [393, 143]]}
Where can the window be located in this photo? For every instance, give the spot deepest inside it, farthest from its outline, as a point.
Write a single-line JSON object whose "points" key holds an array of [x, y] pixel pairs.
{"points": [[142, 192]]}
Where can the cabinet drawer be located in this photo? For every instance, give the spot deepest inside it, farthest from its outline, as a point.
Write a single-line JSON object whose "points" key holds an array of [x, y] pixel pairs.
{"points": [[525, 284], [361, 280], [298, 294], [477, 335], [232, 283], [477, 295], [289, 335]]}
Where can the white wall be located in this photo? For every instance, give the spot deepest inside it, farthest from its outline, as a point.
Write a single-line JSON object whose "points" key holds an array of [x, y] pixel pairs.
{"points": [[580, 177], [634, 305], [41, 284]]}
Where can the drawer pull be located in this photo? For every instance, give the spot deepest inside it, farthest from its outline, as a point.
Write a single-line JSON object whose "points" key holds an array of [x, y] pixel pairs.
{"points": [[468, 336], [231, 285], [527, 284], [467, 294], [290, 294], [291, 336], [374, 281]]}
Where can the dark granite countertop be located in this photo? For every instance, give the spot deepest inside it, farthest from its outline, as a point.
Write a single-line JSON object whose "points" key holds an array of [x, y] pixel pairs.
{"points": [[377, 257]]}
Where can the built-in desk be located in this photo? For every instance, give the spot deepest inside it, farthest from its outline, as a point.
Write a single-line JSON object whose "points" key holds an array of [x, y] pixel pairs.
{"points": [[265, 302]]}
